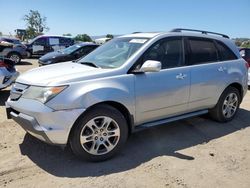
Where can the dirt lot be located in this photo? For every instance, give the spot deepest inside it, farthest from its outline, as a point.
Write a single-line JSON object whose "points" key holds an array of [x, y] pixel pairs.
{"points": [[192, 153]]}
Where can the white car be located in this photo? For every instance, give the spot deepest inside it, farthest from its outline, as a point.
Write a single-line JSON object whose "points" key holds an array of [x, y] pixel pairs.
{"points": [[8, 73]]}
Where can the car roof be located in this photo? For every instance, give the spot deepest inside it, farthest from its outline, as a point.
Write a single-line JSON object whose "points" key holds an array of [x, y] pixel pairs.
{"points": [[154, 34], [188, 33], [8, 38], [141, 35]]}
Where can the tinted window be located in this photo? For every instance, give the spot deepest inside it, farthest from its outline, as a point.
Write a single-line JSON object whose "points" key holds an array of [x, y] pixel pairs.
{"points": [[85, 50], [247, 53], [40, 42], [65, 41], [168, 51], [201, 51], [225, 52]]}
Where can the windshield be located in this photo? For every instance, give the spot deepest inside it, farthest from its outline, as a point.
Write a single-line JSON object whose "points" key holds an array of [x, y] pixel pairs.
{"points": [[114, 53], [71, 49]]}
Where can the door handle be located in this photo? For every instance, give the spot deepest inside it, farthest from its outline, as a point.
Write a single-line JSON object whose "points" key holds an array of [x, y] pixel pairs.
{"points": [[181, 76], [221, 69]]}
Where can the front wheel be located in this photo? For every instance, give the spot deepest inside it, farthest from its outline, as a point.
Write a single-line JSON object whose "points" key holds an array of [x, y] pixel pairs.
{"points": [[227, 106], [99, 134], [14, 57]]}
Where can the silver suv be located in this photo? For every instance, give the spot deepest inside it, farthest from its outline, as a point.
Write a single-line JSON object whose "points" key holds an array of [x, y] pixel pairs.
{"points": [[131, 82]]}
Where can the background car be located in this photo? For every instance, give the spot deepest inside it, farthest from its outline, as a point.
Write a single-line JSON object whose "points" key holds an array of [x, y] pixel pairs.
{"points": [[245, 54], [14, 41], [44, 44], [8, 73], [68, 54], [12, 51]]}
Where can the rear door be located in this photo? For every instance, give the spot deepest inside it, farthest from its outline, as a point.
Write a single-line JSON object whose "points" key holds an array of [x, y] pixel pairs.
{"points": [[208, 73]]}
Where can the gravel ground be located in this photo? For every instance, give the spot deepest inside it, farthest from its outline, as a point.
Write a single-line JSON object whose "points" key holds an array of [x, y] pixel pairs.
{"points": [[191, 153]]}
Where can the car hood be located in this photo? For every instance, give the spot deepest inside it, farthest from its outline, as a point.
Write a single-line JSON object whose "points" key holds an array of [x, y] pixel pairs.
{"points": [[52, 56], [59, 74]]}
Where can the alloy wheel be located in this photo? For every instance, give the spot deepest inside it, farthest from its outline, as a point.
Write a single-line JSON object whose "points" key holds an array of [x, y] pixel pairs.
{"points": [[15, 58], [230, 105], [100, 135]]}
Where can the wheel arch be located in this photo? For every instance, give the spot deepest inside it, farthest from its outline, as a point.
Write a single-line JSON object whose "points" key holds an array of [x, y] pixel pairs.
{"points": [[239, 87], [13, 52], [120, 107]]}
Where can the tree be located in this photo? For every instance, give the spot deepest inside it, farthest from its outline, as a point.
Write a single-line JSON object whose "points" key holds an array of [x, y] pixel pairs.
{"points": [[1, 33], [67, 35], [83, 38], [109, 36], [36, 24], [238, 43]]}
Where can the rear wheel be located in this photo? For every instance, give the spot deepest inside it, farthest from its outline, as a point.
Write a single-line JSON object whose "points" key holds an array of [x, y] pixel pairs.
{"points": [[227, 106], [28, 54], [14, 57], [99, 134]]}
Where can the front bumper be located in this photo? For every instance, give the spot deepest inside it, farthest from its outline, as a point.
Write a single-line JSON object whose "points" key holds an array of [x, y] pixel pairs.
{"points": [[44, 123]]}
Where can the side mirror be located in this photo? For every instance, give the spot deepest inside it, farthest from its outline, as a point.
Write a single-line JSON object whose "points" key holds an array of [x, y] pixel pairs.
{"points": [[151, 66]]}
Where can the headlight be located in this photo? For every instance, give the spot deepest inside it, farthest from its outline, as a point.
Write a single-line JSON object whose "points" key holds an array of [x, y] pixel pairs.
{"points": [[42, 94]]}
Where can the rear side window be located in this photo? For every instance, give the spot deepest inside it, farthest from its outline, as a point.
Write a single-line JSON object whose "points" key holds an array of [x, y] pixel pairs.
{"points": [[225, 52], [66, 41], [201, 51]]}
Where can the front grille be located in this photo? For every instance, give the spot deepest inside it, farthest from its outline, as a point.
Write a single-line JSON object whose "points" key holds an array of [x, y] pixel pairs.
{"points": [[17, 90]]}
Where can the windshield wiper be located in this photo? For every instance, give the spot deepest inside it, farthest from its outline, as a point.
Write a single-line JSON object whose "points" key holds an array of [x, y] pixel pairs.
{"points": [[90, 64]]}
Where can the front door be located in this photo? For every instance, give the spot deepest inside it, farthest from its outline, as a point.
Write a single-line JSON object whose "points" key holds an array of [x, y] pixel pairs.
{"points": [[164, 93]]}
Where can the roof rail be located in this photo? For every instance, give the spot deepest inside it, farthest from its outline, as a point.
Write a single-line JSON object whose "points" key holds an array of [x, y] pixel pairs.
{"points": [[201, 31]]}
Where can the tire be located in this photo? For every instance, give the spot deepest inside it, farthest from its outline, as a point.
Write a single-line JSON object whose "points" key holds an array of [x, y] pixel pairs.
{"points": [[16, 57], [93, 140], [227, 107], [28, 54]]}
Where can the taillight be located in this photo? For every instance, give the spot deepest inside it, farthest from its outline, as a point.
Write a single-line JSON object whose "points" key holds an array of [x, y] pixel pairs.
{"points": [[248, 61], [247, 64]]}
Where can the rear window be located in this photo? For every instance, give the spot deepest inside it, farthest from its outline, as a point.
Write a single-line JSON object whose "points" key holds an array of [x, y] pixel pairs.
{"points": [[202, 51], [225, 52]]}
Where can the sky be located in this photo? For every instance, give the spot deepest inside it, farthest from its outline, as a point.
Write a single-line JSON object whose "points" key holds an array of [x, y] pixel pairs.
{"points": [[100, 17]]}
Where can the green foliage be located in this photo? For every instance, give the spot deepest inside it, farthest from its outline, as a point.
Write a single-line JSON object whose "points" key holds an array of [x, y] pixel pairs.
{"points": [[36, 24], [1, 33], [242, 42], [83, 38], [67, 35], [109, 36], [245, 44]]}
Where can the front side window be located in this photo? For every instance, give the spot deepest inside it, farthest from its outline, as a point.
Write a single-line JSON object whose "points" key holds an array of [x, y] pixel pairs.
{"points": [[167, 51], [201, 51], [114, 53], [40, 42]]}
